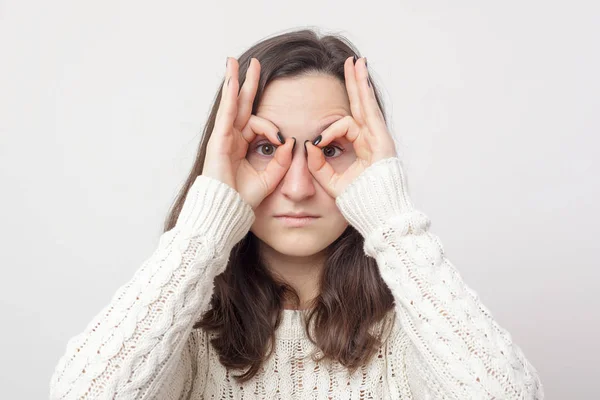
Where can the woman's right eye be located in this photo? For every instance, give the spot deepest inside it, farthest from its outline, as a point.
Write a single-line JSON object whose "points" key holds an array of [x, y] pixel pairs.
{"points": [[270, 146]]}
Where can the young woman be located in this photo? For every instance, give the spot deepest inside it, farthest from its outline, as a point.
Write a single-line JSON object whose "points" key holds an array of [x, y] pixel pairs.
{"points": [[294, 264]]}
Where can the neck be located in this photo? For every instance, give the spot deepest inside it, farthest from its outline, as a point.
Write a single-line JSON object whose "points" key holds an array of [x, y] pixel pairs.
{"points": [[303, 273]]}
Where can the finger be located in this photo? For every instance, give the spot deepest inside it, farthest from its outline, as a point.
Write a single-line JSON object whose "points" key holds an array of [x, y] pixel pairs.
{"points": [[320, 168], [344, 127], [247, 94], [228, 104], [278, 166], [352, 89], [261, 126], [223, 89], [372, 114]]}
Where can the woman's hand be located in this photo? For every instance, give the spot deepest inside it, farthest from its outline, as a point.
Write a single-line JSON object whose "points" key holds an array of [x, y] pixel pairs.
{"points": [[366, 129], [235, 128]]}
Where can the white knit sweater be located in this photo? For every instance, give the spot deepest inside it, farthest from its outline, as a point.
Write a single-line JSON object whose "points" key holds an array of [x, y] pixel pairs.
{"points": [[445, 344]]}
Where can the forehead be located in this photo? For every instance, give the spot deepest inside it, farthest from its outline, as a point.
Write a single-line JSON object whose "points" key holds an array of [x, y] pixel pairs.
{"points": [[303, 103]]}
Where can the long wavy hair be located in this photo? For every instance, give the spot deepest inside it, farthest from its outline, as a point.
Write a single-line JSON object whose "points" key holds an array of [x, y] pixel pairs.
{"points": [[353, 297]]}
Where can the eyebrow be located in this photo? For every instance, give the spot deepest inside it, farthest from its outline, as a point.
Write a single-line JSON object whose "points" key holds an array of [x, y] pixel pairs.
{"points": [[319, 130]]}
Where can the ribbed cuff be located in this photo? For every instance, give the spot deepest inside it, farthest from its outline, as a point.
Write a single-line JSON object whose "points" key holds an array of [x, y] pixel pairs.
{"points": [[217, 211], [377, 194]]}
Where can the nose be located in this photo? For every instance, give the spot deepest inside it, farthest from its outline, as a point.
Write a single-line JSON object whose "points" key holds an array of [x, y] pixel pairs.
{"points": [[298, 183]]}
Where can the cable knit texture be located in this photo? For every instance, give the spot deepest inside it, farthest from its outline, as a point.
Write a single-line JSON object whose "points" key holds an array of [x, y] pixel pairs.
{"points": [[444, 344]]}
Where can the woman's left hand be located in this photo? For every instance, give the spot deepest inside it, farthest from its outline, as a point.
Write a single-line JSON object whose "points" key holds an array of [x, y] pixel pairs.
{"points": [[365, 129]]}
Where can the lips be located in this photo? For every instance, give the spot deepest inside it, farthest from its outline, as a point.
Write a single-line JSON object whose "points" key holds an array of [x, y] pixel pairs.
{"points": [[295, 221], [298, 215]]}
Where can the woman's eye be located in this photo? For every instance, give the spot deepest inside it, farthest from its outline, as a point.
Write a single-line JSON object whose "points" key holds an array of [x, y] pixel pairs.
{"points": [[329, 151], [269, 146]]}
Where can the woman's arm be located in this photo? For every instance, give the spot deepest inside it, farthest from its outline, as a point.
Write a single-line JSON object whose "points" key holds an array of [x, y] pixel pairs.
{"points": [[139, 346], [458, 350]]}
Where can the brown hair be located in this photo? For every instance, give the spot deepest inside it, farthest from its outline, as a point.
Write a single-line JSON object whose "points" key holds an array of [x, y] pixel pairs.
{"points": [[353, 297]]}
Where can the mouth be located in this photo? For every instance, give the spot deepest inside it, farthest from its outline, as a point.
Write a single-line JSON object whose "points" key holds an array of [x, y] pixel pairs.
{"points": [[293, 221]]}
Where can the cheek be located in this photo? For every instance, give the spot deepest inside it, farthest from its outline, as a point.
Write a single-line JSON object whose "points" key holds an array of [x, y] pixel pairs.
{"points": [[257, 162], [342, 163], [263, 209]]}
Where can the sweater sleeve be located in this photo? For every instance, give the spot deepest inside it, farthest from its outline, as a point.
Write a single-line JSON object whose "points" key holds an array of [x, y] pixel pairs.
{"points": [[457, 350], [141, 345]]}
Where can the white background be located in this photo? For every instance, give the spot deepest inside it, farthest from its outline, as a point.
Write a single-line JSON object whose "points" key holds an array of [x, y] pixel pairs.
{"points": [[495, 108]]}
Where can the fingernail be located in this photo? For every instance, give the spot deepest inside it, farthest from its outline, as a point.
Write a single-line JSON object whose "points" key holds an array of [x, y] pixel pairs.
{"points": [[305, 149], [318, 140], [354, 58], [294, 146], [281, 139]]}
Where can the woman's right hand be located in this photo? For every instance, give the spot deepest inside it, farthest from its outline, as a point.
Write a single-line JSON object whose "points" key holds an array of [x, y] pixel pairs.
{"points": [[235, 128]]}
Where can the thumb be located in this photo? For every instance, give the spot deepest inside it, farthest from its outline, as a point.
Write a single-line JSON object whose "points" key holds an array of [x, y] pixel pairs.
{"points": [[278, 166], [320, 168]]}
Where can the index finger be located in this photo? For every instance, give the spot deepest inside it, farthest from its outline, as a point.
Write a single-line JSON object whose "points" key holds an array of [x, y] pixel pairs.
{"points": [[247, 94], [261, 126], [352, 89]]}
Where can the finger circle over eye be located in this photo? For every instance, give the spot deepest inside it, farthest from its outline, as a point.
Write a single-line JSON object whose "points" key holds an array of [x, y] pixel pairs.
{"points": [[344, 127], [260, 126]]}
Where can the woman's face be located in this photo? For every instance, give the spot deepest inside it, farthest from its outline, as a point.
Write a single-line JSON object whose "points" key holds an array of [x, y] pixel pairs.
{"points": [[301, 108]]}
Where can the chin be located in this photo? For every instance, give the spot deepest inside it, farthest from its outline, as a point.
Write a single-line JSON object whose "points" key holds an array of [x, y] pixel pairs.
{"points": [[298, 242], [299, 250], [295, 243]]}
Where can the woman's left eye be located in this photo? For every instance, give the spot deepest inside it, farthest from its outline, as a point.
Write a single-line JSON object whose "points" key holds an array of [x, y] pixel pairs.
{"points": [[329, 151]]}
